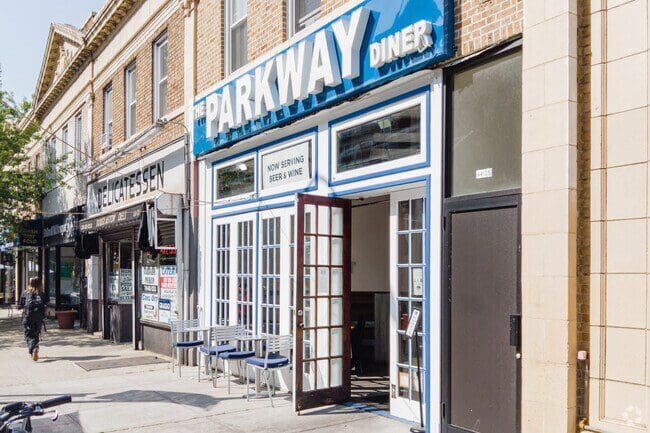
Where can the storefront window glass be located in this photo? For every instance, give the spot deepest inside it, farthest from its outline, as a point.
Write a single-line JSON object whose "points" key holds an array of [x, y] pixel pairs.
{"points": [[70, 274], [387, 138], [485, 152], [236, 179], [51, 274], [271, 275]]}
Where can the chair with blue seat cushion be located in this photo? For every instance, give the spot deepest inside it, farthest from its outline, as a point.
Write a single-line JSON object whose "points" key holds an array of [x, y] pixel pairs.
{"points": [[277, 356], [178, 342], [222, 341], [237, 356]]}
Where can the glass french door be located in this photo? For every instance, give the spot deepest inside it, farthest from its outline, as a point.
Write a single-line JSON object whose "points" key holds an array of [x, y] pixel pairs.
{"points": [[322, 353], [407, 287]]}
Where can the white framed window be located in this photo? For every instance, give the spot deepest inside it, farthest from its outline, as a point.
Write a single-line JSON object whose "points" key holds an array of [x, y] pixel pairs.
{"points": [[384, 139], [300, 14], [64, 139], [270, 275], [287, 167], [129, 100], [245, 273], [235, 37], [78, 134], [222, 273], [235, 180], [160, 61], [107, 136]]}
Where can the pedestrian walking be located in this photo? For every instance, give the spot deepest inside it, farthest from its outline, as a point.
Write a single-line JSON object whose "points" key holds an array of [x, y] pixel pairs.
{"points": [[33, 315]]}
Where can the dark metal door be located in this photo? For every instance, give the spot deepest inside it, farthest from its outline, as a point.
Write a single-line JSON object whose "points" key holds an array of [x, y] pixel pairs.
{"points": [[483, 321], [322, 350]]}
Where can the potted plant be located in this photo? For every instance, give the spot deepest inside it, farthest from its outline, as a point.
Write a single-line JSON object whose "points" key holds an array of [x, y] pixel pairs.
{"points": [[66, 318]]}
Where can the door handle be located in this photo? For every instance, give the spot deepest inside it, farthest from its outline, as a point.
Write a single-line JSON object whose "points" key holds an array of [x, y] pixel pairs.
{"points": [[515, 331]]}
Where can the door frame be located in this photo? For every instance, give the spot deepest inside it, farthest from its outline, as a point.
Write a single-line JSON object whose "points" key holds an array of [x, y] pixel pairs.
{"points": [[399, 406], [315, 398], [477, 202]]}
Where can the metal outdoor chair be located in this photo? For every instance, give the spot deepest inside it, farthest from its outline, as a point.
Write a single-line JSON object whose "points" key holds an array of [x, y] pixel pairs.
{"points": [[277, 357], [237, 356], [219, 342], [178, 328]]}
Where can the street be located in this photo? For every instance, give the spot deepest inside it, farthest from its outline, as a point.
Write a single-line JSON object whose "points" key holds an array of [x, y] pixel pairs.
{"points": [[148, 398]]}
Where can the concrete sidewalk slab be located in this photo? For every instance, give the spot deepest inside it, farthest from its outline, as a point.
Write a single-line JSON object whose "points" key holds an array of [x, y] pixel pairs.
{"points": [[150, 398]]}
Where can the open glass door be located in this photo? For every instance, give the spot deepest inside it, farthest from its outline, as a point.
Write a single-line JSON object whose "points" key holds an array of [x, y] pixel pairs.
{"points": [[408, 281], [322, 355]]}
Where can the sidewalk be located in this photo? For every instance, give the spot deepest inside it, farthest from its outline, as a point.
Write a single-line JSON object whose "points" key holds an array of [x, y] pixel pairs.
{"points": [[148, 398]]}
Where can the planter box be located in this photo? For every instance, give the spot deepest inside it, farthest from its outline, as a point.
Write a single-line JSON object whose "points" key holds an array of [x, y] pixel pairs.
{"points": [[66, 319]]}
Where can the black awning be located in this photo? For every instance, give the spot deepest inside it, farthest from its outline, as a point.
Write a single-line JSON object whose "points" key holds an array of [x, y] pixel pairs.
{"points": [[61, 228], [112, 220]]}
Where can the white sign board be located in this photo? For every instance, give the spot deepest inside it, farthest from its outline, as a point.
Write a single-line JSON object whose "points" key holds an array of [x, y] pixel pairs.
{"points": [[126, 286], [149, 306], [413, 323], [150, 275], [286, 166], [148, 176]]}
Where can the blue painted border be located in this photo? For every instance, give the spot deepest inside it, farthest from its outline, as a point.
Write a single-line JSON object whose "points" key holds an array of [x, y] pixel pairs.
{"points": [[424, 90], [445, 51], [254, 153]]}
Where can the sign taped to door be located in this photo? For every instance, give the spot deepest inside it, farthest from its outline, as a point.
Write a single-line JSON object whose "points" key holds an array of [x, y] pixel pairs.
{"points": [[413, 323]]}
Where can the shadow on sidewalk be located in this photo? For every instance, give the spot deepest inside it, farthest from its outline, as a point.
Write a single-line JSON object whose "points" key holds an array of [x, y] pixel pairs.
{"points": [[203, 401]]}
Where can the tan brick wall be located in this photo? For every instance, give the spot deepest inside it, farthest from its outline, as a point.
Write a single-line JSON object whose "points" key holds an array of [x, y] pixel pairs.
{"points": [[266, 26], [144, 97], [209, 44], [481, 23], [327, 6]]}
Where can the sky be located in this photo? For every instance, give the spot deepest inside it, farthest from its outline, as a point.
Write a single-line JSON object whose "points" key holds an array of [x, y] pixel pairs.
{"points": [[24, 27]]}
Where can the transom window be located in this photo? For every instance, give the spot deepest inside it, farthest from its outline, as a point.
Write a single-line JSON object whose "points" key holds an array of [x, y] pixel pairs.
{"points": [[236, 39], [245, 274], [270, 275], [160, 60], [235, 179], [222, 273], [384, 139]]}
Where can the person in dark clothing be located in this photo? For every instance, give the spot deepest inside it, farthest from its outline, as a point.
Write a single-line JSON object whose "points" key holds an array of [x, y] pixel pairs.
{"points": [[33, 316]]}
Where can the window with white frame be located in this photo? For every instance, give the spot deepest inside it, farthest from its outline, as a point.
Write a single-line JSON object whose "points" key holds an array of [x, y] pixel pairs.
{"points": [[160, 60], [245, 274], [235, 179], [107, 136], [235, 35], [222, 273], [270, 275], [129, 100], [383, 139], [287, 167], [300, 14], [78, 134], [292, 269]]}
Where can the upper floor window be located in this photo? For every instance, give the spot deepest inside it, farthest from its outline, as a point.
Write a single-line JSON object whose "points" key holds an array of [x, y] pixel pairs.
{"points": [[29, 166], [129, 100], [64, 137], [160, 54], [107, 136], [78, 152], [37, 162], [235, 37], [300, 14]]}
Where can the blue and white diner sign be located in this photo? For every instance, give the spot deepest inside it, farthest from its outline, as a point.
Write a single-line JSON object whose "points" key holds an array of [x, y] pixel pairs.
{"points": [[369, 45]]}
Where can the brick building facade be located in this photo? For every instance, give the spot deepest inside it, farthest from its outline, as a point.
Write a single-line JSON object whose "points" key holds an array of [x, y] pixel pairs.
{"points": [[581, 191]]}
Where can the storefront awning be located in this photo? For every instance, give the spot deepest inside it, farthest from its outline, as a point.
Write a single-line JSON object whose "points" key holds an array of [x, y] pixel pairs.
{"points": [[112, 220]]}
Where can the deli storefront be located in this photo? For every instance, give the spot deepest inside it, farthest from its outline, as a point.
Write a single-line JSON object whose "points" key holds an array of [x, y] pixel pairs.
{"points": [[326, 226], [137, 214]]}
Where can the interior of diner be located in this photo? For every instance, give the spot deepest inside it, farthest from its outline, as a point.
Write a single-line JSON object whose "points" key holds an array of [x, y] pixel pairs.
{"points": [[370, 301]]}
